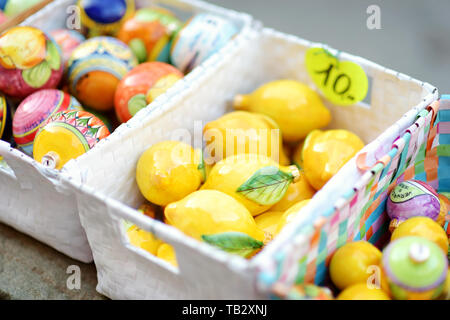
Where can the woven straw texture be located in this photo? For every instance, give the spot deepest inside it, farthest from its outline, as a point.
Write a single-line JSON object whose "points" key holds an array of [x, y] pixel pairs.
{"points": [[32, 198], [104, 179]]}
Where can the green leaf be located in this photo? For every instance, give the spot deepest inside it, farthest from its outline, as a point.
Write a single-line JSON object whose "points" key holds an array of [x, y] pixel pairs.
{"points": [[266, 186], [53, 57], [234, 242], [37, 76], [136, 103]]}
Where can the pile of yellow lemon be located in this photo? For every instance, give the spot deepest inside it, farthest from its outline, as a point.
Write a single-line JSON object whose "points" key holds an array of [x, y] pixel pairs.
{"points": [[243, 187]]}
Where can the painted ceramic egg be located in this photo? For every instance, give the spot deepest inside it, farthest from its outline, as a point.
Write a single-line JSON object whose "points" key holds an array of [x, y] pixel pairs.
{"points": [[149, 33], [5, 119], [104, 17], [202, 36], [102, 116], [3, 17], [66, 136], [410, 199], [303, 292], [415, 268], [141, 86], [95, 68], [36, 109], [29, 61], [12, 8], [67, 40]]}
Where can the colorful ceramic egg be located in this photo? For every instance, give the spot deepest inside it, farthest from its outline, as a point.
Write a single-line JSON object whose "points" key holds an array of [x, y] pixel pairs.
{"points": [[95, 68], [29, 61], [5, 119], [36, 109], [149, 33], [415, 269], [104, 117], [12, 8], [141, 86], [104, 17], [302, 292], [410, 199], [67, 40], [66, 136], [202, 36], [3, 17]]}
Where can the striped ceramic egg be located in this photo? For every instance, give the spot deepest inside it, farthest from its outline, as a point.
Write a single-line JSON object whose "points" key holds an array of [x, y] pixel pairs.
{"points": [[95, 68], [29, 61], [149, 33], [67, 135], [104, 17], [202, 36], [37, 109], [5, 119], [141, 85]]}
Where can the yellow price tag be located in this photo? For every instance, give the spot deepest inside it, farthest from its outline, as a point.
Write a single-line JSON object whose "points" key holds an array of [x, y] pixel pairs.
{"points": [[342, 82]]}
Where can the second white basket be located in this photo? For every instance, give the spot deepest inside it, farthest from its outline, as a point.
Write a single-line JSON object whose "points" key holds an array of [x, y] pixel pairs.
{"points": [[107, 192]]}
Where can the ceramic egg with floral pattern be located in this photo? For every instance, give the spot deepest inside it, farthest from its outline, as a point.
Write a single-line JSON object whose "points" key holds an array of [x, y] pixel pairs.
{"points": [[149, 33], [12, 8], [29, 61], [141, 86], [5, 119], [95, 68], [202, 36], [67, 135], [36, 109], [102, 17], [3, 17], [67, 40]]}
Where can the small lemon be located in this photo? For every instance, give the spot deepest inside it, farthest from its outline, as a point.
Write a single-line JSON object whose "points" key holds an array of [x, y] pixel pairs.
{"points": [[167, 253], [143, 239], [168, 171], [294, 106], [349, 264], [290, 214], [256, 181], [422, 227], [207, 212], [325, 152], [243, 132], [268, 221], [298, 191], [360, 291]]}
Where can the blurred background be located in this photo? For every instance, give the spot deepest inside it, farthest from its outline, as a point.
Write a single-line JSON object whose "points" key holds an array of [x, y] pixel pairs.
{"points": [[414, 37]]}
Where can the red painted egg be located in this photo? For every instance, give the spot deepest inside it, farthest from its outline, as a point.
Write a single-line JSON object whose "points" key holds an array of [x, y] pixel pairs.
{"points": [[141, 86]]}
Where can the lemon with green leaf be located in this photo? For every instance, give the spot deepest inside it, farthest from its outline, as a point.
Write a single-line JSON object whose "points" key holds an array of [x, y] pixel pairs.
{"points": [[254, 180], [218, 219]]}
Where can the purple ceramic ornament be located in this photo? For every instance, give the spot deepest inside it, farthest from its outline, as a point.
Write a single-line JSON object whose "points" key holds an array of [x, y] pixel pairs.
{"points": [[412, 198]]}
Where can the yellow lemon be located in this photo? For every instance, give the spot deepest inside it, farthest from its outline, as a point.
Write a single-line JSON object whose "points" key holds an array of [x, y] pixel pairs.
{"points": [[268, 221], [294, 106], [301, 190], [168, 171], [167, 253], [290, 214], [360, 291], [256, 181], [325, 152], [243, 132], [349, 264], [209, 212], [297, 156], [143, 239], [422, 227]]}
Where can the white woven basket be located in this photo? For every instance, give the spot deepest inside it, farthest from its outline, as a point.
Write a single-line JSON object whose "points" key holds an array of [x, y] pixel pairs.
{"points": [[32, 198], [104, 179]]}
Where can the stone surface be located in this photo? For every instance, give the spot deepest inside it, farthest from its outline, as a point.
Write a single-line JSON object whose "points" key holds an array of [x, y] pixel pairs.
{"points": [[31, 270]]}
